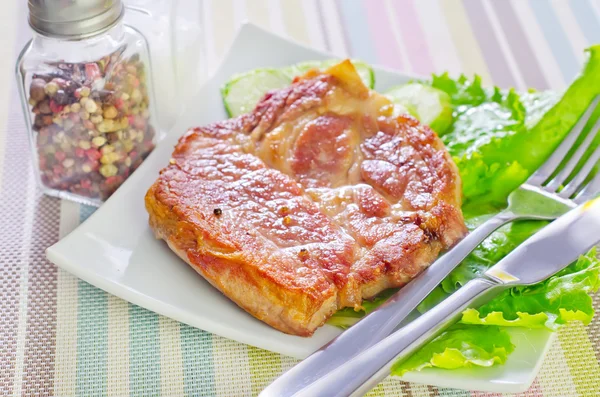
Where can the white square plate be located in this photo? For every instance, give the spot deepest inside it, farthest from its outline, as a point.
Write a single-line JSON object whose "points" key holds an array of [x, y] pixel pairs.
{"points": [[116, 251]]}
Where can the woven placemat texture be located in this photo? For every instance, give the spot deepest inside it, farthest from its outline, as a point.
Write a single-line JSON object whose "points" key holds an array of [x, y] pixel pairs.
{"points": [[60, 336]]}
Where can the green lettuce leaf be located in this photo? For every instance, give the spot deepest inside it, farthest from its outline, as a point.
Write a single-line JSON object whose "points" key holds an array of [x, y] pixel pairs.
{"points": [[499, 137], [537, 320], [562, 298], [458, 347], [485, 121], [349, 316], [461, 91]]}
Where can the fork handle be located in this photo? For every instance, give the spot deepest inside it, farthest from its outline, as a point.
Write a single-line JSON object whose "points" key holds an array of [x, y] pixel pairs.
{"points": [[367, 369], [381, 322]]}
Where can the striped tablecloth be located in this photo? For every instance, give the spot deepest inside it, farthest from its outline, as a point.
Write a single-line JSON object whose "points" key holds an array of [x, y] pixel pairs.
{"points": [[60, 336]]}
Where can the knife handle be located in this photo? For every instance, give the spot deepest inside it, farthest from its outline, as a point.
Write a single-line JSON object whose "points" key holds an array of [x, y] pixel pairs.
{"points": [[385, 319], [367, 369]]}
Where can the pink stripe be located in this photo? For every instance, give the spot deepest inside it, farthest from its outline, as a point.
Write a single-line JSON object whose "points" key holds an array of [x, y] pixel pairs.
{"points": [[379, 25], [534, 391], [413, 36]]}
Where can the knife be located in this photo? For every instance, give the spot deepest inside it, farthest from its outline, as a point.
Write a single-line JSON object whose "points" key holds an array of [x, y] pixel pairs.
{"points": [[539, 257]]}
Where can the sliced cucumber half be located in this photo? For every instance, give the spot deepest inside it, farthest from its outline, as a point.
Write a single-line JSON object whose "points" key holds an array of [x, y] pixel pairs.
{"points": [[400, 108], [243, 91], [430, 105]]}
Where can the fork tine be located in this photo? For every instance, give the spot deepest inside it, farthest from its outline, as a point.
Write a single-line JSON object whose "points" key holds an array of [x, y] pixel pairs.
{"points": [[564, 173], [582, 175], [589, 191], [544, 172]]}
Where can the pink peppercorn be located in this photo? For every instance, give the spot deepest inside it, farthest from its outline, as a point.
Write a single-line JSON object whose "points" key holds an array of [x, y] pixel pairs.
{"points": [[55, 107], [93, 154], [92, 71], [89, 125], [79, 152], [60, 82], [60, 156], [58, 169], [139, 122]]}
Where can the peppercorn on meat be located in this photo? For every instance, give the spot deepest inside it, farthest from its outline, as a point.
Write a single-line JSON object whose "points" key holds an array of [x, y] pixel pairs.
{"points": [[321, 197]]}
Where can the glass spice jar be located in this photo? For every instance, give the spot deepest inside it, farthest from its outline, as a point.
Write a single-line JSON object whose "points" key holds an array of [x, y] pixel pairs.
{"points": [[87, 97]]}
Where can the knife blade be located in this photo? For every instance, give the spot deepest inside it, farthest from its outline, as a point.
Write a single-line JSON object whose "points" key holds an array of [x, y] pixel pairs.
{"points": [[552, 248], [547, 252]]}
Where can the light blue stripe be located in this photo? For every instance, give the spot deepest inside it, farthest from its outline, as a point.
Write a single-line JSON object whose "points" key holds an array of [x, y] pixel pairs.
{"points": [[92, 340], [587, 20], [198, 369], [556, 38], [144, 352], [355, 26], [85, 211]]}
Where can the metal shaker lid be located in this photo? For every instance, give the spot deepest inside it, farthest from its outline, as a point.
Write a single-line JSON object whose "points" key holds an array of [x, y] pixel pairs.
{"points": [[74, 19]]}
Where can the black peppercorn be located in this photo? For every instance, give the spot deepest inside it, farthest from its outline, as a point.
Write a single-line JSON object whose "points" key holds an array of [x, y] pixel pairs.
{"points": [[217, 211], [303, 254], [112, 138], [103, 95], [71, 87], [38, 122], [61, 97]]}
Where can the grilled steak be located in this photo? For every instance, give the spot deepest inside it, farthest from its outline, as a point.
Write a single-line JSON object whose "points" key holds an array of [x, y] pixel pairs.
{"points": [[321, 197]]}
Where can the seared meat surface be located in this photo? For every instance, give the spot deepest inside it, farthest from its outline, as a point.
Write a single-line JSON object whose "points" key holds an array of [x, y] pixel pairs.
{"points": [[319, 198]]}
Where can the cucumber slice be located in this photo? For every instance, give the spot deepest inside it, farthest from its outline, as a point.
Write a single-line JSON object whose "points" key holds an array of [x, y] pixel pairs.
{"points": [[303, 67], [431, 106], [404, 109], [243, 91]]}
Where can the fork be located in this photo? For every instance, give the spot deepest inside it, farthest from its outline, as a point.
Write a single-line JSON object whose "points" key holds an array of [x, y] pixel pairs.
{"points": [[541, 197]]}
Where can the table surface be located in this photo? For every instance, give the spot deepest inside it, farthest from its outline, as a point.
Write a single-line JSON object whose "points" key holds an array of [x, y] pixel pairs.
{"points": [[60, 336]]}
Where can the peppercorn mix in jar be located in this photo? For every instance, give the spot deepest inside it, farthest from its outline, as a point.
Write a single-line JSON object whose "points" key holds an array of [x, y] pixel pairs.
{"points": [[90, 110], [91, 136]]}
